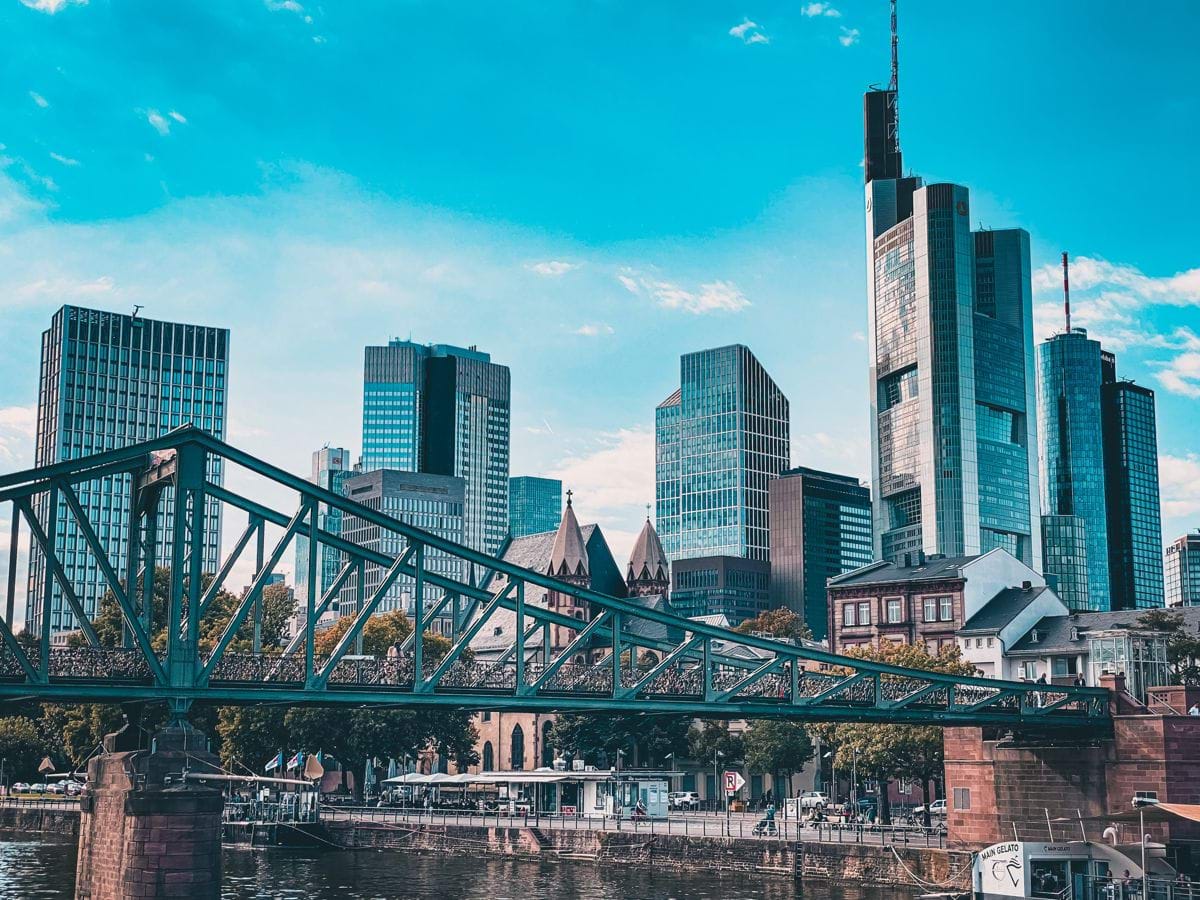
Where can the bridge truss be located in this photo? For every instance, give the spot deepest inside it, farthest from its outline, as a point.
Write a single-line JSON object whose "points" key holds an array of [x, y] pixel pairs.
{"points": [[622, 656]]}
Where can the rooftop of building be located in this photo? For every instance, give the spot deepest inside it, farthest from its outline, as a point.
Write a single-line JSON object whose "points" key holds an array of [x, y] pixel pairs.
{"points": [[798, 471], [931, 568], [1002, 609], [1061, 634]]}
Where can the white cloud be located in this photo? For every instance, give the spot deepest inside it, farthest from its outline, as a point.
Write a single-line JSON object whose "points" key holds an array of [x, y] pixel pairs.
{"points": [[39, 99], [715, 296], [819, 9], [60, 286], [65, 160], [551, 268], [1122, 283], [1181, 375], [284, 6], [595, 330], [162, 122], [18, 425], [1179, 485], [849, 37], [158, 122], [52, 6], [836, 453], [629, 284], [749, 33]]}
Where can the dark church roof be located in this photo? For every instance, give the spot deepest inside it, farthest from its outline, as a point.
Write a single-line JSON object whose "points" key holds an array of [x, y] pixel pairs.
{"points": [[568, 555], [647, 562]]}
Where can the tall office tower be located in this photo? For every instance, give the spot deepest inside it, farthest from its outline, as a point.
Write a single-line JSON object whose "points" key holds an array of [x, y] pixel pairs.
{"points": [[951, 348], [434, 503], [330, 469], [1071, 451], [1135, 561], [1181, 564], [109, 380], [820, 528], [719, 440], [442, 410], [1065, 558], [534, 505]]}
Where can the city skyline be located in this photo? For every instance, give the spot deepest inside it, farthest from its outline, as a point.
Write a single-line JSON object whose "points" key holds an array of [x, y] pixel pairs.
{"points": [[624, 300]]}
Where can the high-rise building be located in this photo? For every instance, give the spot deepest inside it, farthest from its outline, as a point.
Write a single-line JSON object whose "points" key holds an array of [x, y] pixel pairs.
{"points": [[109, 380], [433, 503], [820, 528], [1071, 452], [1135, 561], [731, 586], [1181, 566], [534, 504], [442, 410], [330, 469], [1065, 558], [952, 377], [719, 440]]}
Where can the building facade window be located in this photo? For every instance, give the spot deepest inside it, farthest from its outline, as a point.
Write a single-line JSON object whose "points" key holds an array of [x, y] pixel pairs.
{"points": [[489, 757], [518, 749], [864, 613], [895, 610], [930, 608], [946, 609], [848, 620]]}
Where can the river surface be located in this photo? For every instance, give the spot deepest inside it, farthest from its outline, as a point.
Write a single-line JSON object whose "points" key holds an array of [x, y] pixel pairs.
{"points": [[32, 869]]}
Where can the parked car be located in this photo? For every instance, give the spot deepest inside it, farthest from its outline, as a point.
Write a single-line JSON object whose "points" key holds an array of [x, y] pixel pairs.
{"points": [[56, 787], [20, 787], [937, 810], [73, 788], [683, 800], [814, 800]]}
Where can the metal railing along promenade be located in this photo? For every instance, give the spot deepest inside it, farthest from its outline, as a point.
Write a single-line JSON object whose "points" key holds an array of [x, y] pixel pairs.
{"points": [[738, 825]]}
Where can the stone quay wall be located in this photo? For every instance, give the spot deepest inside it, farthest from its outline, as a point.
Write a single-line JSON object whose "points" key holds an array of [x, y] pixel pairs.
{"points": [[40, 820]]}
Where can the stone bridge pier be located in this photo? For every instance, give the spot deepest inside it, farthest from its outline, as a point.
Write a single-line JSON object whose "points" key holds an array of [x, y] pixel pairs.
{"points": [[144, 830]]}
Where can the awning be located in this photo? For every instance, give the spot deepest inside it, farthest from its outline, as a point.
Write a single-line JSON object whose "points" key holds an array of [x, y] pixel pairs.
{"points": [[1151, 812]]}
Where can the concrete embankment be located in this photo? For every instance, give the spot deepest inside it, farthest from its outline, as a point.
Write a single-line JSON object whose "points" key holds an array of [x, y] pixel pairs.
{"points": [[40, 820], [904, 866], [854, 863]]}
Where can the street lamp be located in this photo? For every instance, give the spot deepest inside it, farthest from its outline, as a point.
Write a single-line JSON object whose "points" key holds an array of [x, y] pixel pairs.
{"points": [[717, 755]]}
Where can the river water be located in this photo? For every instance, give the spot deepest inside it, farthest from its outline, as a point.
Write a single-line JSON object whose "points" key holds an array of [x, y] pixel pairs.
{"points": [[32, 869]]}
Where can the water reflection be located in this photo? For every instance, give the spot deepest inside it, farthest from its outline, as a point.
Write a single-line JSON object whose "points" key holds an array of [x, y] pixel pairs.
{"points": [[41, 869]]}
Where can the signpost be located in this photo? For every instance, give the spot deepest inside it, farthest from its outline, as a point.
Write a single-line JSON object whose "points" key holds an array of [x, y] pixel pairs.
{"points": [[733, 783]]}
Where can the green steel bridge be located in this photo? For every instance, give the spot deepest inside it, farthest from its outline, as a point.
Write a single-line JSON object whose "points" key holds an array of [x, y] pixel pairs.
{"points": [[561, 662]]}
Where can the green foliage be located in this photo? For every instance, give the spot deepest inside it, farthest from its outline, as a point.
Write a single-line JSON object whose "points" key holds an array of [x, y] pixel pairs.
{"points": [[707, 738], [22, 746], [646, 740], [777, 623], [885, 752], [1183, 646], [781, 748], [250, 735]]}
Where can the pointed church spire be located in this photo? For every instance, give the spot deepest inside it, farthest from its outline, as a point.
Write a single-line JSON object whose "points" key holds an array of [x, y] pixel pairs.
{"points": [[569, 554], [648, 566]]}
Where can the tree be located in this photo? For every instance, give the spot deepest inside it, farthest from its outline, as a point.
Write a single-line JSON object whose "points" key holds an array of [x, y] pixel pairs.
{"points": [[22, 748], [250, 735], [777, 623], [645, 739], [381, 632], [781, 748], [1183, 646], [708, 738], [885, 752]]}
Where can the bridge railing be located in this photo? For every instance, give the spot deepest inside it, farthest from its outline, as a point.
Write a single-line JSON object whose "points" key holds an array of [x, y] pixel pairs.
{"points": [[175, 641]]}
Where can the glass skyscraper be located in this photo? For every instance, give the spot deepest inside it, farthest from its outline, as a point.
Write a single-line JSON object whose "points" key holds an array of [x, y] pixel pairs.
{"points": [[433, 503], [534, 505], [719, 440], [1181, 566], [109, 380], [1071, 451], [820, 528], [952, 375], [1135, 561], [330, 470], [442, 410]]}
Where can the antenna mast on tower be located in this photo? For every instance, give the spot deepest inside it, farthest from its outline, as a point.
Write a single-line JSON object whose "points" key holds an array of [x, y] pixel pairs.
{"points": [[1066, 292], [895, 52]]}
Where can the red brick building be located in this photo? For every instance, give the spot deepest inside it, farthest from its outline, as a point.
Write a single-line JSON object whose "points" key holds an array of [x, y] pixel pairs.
{"points": [[925, 601]]}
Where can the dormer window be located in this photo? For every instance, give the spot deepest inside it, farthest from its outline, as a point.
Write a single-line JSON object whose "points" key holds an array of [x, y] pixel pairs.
{"points": [[1074, 634], [1034, 637]]}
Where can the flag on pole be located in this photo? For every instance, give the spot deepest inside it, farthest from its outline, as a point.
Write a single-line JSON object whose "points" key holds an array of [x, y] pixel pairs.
{"points": [[296, 761], [275, 763]]}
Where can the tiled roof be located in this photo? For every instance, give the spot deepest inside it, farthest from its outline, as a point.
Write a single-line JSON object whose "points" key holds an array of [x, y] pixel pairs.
{"points": [[568, 555], [532, 551], [1055, 632], [647, 562], [881, 572], [1002, 609]]}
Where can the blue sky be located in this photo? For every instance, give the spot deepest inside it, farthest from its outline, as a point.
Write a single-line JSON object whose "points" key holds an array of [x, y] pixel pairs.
{"points": [[586, 190]]}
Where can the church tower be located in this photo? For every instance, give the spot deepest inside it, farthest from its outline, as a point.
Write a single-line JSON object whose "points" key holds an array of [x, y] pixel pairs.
{"points": [[568, 563], [648, 569]]}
